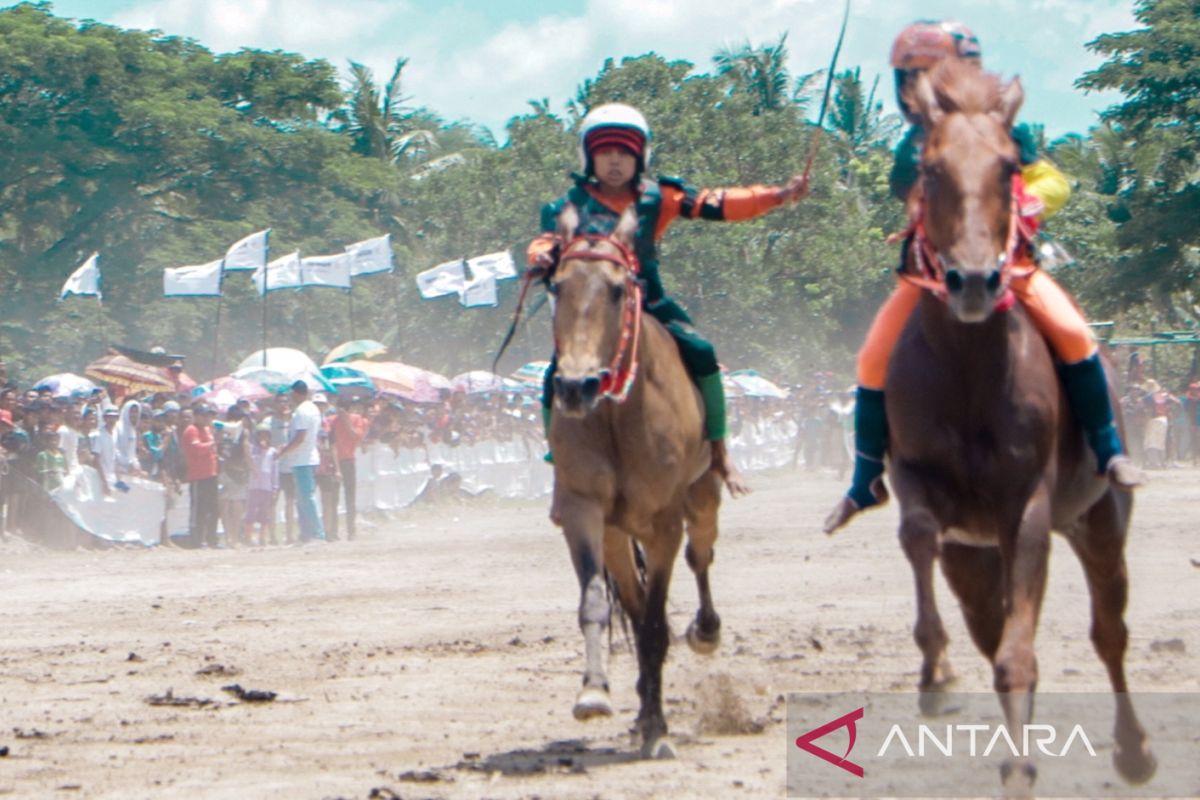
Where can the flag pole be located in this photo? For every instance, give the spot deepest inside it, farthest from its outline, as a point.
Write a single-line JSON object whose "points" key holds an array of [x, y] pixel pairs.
{"points": [[350, 300], [264, 320], [217, 337]]}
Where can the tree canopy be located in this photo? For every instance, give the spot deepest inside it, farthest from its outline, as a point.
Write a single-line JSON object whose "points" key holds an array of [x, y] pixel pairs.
{"points": [[158, 152]]}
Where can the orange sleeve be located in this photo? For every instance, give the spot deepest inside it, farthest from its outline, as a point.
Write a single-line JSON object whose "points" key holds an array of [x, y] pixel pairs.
{"points": [[741, 203], [542, 244], [672, 203]]}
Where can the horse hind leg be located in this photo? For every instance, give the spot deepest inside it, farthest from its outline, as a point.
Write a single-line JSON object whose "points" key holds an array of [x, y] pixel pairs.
{"points": [[1100, 545], [703, 503], [918, 536]]}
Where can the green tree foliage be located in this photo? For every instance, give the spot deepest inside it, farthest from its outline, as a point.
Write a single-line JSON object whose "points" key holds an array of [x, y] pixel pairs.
{"points": [[1151, 171]]}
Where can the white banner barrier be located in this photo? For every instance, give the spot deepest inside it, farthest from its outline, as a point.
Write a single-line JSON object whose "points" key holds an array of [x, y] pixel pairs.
{"points": [[133, 517], [388, 480]]}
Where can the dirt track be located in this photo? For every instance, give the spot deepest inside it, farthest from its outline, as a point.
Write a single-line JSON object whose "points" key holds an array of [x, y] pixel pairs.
{"points": [[443, 647]]}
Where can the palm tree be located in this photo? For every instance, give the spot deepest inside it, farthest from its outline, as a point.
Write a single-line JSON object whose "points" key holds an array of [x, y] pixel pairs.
{"points": [[761, 72], [379, 122]]}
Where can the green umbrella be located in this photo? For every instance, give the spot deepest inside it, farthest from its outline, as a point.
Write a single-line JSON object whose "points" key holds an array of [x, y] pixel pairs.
{"points": [[359, 348]]}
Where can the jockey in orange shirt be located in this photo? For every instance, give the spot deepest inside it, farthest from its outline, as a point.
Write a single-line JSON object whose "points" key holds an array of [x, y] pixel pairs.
{"points": [[917, 48], [614, 147]]}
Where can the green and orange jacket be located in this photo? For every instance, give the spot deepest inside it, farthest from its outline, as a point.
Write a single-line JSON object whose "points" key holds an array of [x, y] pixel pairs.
{"points": [[659, 202]]}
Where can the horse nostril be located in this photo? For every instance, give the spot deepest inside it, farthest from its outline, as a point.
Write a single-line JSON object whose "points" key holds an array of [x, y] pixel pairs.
{"points": [[591, 387], [558, 384], [993, 280], [954, 281]]}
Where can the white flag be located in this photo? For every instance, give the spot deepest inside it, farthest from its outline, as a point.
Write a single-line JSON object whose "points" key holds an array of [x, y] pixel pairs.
{"points": [[499, 264], [371, 256], [282, 273], [326, 271], [84, 281], [480, 290], [200, 281], [444, 279], [250, 253]]}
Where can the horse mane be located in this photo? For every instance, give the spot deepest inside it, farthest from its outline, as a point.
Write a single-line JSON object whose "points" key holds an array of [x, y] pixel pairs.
{"points": [[961, 86]]}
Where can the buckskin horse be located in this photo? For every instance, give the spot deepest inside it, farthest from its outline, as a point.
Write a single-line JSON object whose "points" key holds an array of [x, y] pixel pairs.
{"points": [[985, 458], [631, 465]]}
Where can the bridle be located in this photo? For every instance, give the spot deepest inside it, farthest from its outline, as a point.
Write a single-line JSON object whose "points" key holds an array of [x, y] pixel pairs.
{"points": [[930, 264], [617, 378]]}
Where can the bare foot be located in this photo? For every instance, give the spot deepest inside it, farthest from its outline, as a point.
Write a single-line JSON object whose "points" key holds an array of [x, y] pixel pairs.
{"points": [[846, 509], [722, 464], [1124, 474]]}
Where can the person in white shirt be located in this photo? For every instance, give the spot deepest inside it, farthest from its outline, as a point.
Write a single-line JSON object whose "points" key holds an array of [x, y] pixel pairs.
{"points": [[104, 447], [301, 454]]}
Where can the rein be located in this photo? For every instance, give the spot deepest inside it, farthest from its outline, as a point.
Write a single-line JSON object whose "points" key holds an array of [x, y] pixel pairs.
{"points": [[617, 379], [931, 273]]}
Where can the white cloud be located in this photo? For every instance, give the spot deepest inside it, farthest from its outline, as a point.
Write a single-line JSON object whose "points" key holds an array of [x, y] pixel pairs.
{"points": [[311, 26], [463, 67]]}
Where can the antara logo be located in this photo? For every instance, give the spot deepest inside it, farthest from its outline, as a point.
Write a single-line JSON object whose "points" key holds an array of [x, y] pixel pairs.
{"points": [[1042, 736], [847, 721]]}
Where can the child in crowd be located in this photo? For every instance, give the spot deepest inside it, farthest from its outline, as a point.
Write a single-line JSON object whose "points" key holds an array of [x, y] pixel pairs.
{"points": [[51, 465], [263, 486]]}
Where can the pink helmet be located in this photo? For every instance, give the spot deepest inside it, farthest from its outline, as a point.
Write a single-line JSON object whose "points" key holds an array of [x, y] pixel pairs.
{"points": [[923, 44]]}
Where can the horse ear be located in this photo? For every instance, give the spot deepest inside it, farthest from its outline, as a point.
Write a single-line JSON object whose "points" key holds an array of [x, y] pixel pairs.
{"points": [[568, 222], [927, 103], [627, 227], [1011, 97]]}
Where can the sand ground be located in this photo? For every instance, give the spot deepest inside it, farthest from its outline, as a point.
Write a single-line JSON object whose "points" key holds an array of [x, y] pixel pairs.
{"points": [[438, 655]]}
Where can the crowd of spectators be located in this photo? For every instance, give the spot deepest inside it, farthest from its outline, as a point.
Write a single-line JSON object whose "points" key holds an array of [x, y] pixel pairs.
{"points": [[235, 466]]}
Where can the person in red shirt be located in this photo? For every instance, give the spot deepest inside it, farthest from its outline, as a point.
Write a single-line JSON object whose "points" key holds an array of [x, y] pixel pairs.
{"points": [[348, 431], [200, 457]]}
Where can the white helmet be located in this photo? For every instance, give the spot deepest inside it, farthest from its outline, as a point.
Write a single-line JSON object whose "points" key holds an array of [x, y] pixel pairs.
{"points": [[614, 123]]}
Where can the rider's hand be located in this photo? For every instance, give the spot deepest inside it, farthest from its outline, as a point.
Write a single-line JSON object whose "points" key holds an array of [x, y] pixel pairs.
{"points": [[795, 190]]}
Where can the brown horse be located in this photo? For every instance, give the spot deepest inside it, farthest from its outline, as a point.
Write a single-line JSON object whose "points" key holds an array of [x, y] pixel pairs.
{"points": [[985, 457], [630, 465]]}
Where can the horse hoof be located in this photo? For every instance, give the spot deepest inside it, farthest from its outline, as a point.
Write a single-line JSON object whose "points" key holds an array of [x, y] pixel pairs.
{"points": [[935, 702], [1018, 778], [659, 749], [592, 702], [1135, 766], [701, 643]]}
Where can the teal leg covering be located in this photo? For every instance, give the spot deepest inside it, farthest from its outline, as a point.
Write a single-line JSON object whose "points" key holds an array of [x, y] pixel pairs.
{"points": [[549, 457], [870, 442], [1087, 395], [713, 393]]}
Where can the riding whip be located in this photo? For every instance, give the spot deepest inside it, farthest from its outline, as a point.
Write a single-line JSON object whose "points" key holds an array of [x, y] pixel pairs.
{"points": [[816, 140]]}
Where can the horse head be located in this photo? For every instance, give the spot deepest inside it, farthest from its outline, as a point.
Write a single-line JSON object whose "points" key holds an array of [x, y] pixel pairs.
{"points": [[964, 200], [596, 301]]}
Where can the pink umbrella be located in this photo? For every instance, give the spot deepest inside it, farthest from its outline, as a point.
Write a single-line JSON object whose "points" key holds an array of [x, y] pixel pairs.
{"points": [[222, 389]]}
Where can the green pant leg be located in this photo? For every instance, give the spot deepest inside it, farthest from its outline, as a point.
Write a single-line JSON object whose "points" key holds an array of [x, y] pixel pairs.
{"points": [[700, 359]]}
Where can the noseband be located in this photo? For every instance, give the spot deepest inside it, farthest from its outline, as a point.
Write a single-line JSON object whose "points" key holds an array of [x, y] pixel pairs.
{"points": [[617, 378], [930, 264]]}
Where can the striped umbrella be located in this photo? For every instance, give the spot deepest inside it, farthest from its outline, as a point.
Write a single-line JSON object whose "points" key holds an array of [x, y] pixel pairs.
{"points": [[357, 349], [532, 373], [135, 377]]}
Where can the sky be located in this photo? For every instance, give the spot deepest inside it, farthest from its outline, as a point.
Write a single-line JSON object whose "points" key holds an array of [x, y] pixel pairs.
{"points": [[483, 60]]}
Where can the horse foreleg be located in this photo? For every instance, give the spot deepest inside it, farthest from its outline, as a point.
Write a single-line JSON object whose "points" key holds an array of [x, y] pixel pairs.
{"points": [[703, 502], [1024, 553], [583, 527], [653, 636], [1100, 546], [918, 536]]}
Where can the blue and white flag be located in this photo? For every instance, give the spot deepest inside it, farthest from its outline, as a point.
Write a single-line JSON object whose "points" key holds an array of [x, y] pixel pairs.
{"points": [[446, 278], [332, 272], [282, 273], [84, 281], [371, 256], [498, 264], [199, 281], [250, 253], [479, 290]]}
